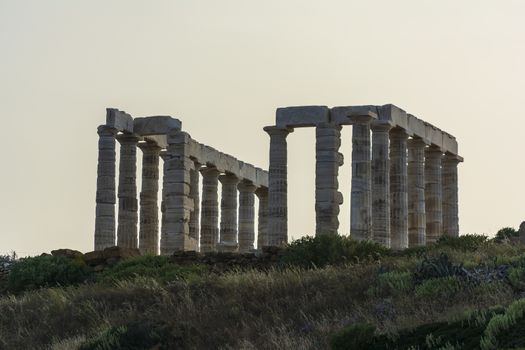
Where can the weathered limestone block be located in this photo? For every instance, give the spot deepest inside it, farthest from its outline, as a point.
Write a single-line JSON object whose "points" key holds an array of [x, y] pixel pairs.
{"points": [[450, 194], [119, 120], [210, 209], [278, 187], [262, 229], [433, 194], [194, 194], [149, 209], [328, 160], [177, 205], [158, 125], [228, 228], [246, 216], [127, 192], [522, 232], [416, 193], [380, 183], [105, 197], [361, 199], [398, 189], [301, 116]]}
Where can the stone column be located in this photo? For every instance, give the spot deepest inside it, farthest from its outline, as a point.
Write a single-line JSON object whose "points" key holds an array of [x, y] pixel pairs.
{"points": [[361, 200], [149, 209], [165, 157], [127, 192], [105, 198], [416, 193], [433, 194], [262, 229], [450, 194], [398, 189], [380, 183], [328, 161], [210, 209], [178, 204], [277, 187], [228, 229], [246, 216], [194, 194]]}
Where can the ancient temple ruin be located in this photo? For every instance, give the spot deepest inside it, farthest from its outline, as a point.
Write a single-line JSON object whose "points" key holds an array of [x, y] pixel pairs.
{"points": [[190, 220], [404, 182], [404, 174]]}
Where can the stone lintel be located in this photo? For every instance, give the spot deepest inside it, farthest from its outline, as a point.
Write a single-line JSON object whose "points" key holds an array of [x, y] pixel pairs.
{"points": [[347, 115], [119, 120], [157, 125], [301, 116], [160, 140]]}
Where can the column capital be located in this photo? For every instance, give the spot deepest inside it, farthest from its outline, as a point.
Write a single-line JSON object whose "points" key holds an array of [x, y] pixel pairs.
{"points": [[399, 133], [149, 147], [164, 154], [228, 179], [416, 142], [208, 172], [128, 139], [433, 151], [246, 186], [381, 126], [105, 130], [261, 192], [452, 158], [277, 131], [362, 119]]}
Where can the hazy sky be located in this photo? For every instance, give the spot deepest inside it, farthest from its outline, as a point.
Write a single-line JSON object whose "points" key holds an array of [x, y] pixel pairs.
{"points": [[223, 67]]}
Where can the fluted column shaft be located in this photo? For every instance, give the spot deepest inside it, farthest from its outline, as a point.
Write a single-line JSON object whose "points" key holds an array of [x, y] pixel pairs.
{"points": [[380, 183], [246, 216], [450, 195], [228, 227], [416, 193], [361, 199], [149, 209], [262, 228], [210, 209], [433, 194], [328, 160], [127, 192], [398, 189], [105, 197], [194, 194], [178, 204], [278, 187]]}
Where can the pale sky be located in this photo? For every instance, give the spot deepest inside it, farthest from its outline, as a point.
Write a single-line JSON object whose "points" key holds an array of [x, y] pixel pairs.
{"points": [[223, 67]]}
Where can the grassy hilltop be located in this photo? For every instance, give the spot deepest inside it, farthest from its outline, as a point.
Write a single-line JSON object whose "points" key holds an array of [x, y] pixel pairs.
{"points": [[321, 293]]}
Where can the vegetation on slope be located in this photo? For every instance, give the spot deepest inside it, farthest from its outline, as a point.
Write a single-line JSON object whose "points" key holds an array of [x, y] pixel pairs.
{"points": [[326, 292]]}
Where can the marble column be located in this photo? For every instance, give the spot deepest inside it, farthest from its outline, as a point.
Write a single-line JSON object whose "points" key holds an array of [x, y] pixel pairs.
{"points": [[246, 216], [416, 193], [328, 160], [278, 187], [228, 227], [398, 189], [262, 228], [105, 197], [433, 194], [380, 183], [178, 203], [127, 192], [194, 194], [149, 209], [210, 209], [361, 200], [165, 157], [450, 194]]}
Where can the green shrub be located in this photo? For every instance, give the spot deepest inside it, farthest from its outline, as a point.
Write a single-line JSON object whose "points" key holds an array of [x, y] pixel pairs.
{"points": [[392, 283], [356, 337], [158, 267], [505, 234], [443, 287], [516, 277], [463, 243], [325, 250], [46, 271], [500, 324], [436, 267]]}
